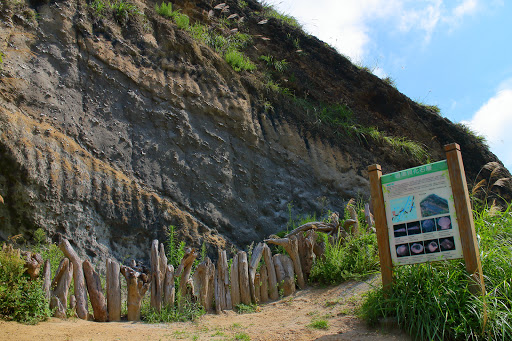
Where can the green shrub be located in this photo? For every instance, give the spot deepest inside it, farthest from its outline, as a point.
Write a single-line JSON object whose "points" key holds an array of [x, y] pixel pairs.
{"points": [[355, 257], [165, 9], [181, 20], [21, 299], [432, 300], [238, 61]]}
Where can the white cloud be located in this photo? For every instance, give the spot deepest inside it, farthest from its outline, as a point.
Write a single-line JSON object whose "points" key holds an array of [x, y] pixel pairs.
{"points": [[494, 120], [347, 24]]}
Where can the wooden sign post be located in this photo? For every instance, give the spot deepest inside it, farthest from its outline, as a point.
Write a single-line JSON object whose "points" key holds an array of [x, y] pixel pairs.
{"points": [[465, 217], [381, 225], [429, 225]]}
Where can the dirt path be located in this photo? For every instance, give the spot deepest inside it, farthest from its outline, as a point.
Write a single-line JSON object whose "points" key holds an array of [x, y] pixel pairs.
{"points": [[287, 319]]}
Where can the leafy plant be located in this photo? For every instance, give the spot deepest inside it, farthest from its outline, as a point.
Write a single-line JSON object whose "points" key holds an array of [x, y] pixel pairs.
{"points": [[21, 299], [246, 308], [355, 257], [181, 20], [175, 249]]}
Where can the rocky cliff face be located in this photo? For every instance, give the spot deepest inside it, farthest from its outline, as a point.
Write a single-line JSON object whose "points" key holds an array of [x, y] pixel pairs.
{"points": [[112, 132]]}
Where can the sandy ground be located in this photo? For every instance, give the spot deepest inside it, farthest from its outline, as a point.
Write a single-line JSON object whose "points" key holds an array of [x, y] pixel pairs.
{"points": [[287, 319]]}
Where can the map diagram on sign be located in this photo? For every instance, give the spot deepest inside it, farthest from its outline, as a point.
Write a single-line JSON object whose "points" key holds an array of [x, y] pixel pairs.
{"points": [[403, 209]]}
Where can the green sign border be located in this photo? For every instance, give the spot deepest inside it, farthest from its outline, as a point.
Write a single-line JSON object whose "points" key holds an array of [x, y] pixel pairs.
{"points": [[416, 171]]}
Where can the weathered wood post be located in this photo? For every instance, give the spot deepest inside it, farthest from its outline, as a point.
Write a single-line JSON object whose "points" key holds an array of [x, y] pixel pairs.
{"points": [[169, 289], [60, 285], [47, 278], [465, 220], [381, 226], [113, 290], [184, 270], [271, 272], [255, 260], [78, 276], [243, 272], [235, 283], [98, 302], [156, 286], [138, 283]]}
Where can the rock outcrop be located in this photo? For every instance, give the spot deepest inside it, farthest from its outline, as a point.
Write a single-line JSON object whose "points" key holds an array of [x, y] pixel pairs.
{"points": [[112, 132]]}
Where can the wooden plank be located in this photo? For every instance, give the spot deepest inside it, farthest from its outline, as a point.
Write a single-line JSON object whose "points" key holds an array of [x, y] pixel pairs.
{"points": [[465, 217], [381, 226]]}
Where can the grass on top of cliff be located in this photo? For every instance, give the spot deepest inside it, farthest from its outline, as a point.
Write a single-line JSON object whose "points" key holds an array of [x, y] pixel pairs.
{"points": [[432, 301]]}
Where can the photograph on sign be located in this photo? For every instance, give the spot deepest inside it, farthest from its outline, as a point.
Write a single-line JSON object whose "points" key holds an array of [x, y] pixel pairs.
{"points": [[421, 215]]}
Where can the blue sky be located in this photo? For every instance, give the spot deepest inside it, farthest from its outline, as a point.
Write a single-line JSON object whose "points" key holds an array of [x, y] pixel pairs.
{"points": [[454, 54]]}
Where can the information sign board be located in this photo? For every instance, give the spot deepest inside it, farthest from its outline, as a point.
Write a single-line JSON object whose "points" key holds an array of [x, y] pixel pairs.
{"points": [[420, 213]]}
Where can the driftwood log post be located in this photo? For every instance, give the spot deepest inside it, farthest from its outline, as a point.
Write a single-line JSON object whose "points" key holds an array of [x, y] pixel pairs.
{"points": [[60, 285], [113, 290], [78, 276], [271, 272], [183, 271], [264, 284], [353, 218], [169, 290], [162, 265], [291, 246], [306, 254], [203, 283], [255, 260], [257, 288], [222, 292], [284, 273], [243, 272], [235, 283], [156, 286], [138, 283], [280, 274], [47, 279], [33, 262], [289, 279], [98, 301], [370, 221]]}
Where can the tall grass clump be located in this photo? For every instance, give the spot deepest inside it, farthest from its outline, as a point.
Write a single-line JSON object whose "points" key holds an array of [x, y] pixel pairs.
{"points": [[21, 299], [189, 311], [239, 61], [270, 12], [165, 9], [354, 257], [432, 301]]}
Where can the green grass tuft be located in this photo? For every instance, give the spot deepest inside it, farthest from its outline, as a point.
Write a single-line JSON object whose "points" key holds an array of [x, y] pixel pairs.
{"points": [[239, 61], [165, 9], [355, 257], [319, 324], [246, 308], [432, 300]]}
